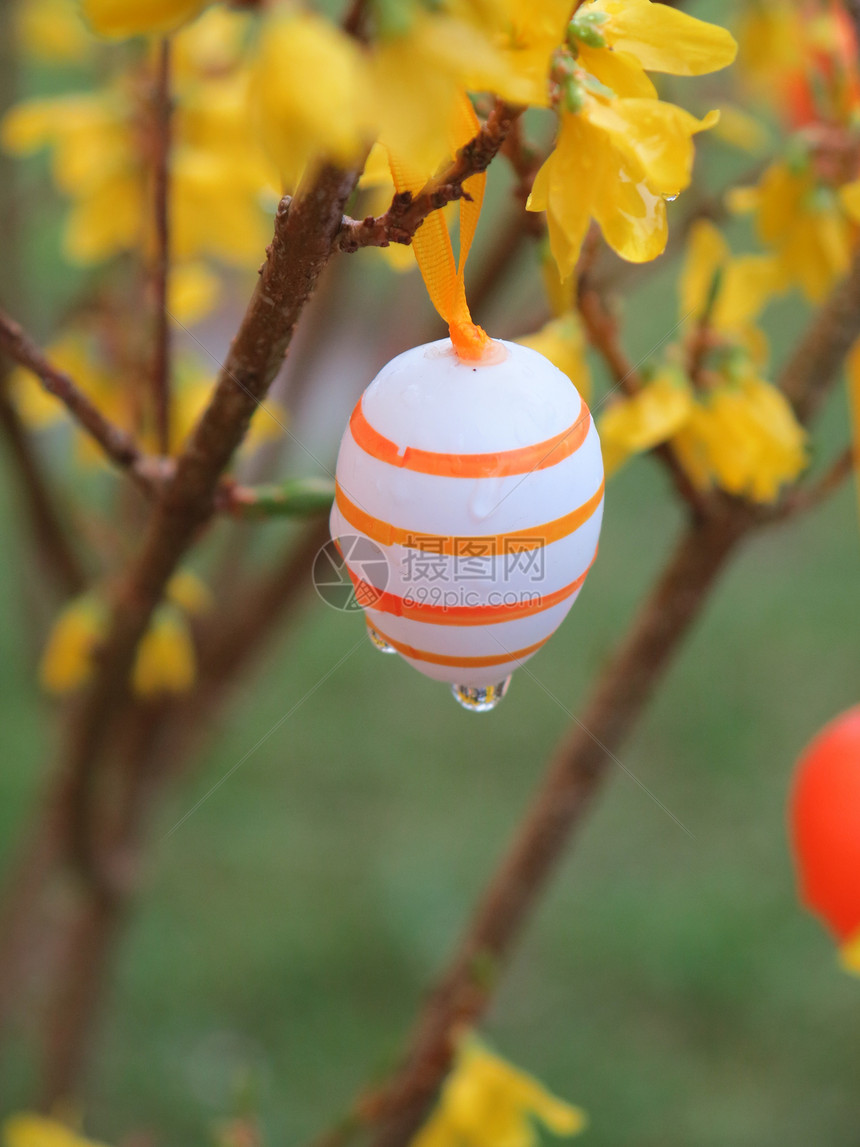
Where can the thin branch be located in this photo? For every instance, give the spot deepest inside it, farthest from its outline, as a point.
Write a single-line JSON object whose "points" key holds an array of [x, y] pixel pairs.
{"points": [[355, 20], [162, 137], [117, 445], [407, 211], [52, 541], [804, 498], [602, 331], [295, 498], [806, 378]]}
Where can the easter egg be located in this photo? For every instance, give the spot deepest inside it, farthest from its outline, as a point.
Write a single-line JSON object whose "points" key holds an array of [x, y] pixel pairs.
{"points": [[824, 815], [481, 483]]}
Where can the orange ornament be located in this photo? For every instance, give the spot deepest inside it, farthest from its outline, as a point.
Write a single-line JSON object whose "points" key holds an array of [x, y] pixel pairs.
{"points": [[824, 813]]}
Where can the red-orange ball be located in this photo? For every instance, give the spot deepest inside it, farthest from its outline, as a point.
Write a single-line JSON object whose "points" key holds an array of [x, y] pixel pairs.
{"points": [[825, 826]]}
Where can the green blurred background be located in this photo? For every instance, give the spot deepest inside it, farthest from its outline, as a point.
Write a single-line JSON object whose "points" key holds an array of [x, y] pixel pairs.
{"points": [[671, 985]]}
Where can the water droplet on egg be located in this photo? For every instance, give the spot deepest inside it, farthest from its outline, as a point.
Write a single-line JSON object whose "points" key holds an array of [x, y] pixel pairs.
{"points": [[480, 700], [379, 642], [486, 496]]}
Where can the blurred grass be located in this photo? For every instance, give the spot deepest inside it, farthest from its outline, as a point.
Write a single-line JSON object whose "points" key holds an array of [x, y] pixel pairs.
{"points": [[671, 986]]}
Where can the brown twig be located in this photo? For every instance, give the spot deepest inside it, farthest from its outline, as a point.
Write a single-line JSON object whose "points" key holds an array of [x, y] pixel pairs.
{"points": [[52, 541], [602, 331], [117, 445], [804, 498], [407, 211], [162, 137]]}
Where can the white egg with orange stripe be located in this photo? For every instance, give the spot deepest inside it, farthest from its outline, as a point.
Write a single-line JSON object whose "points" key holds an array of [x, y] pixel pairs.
{"points": [[481, 483]]}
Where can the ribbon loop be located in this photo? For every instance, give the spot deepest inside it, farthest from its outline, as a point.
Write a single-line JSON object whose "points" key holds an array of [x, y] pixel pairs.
{"points": [[443, 278]]}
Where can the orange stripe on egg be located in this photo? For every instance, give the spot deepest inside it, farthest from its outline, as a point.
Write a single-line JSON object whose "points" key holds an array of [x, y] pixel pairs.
{"points": [[462, 615], [500, 464], [473, 545], [457, 662]]}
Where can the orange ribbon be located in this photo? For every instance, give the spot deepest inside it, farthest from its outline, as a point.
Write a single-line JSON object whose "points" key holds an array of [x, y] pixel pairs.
{"points": [[443, 278]]}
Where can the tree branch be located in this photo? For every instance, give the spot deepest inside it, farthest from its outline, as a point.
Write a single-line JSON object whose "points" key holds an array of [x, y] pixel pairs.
{"points": [[806, 378], [162, 137], [53, 544], [407, 211], [804, 498], [602, 331], [117, 445]]}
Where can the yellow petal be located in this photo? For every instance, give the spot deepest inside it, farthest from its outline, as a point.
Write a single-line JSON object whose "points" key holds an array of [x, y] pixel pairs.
{"points": [[664, 39], [707, 252], [849, 955], [487, 1102], [658, 134], [67, 660], [749, 282], [631, 217], [742, 200], [430, 67], [187, 590], [28, 126], [106, 222], [564, 188], [632, 425], [37, 407], [312, 93], [52, 30], [120, 18], [26, 1129], [194, 291], [165, 661], [849, 197], [741, 130], [617, 70]]}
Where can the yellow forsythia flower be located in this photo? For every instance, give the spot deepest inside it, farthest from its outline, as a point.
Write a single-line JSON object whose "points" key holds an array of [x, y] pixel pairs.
{"points": [[741, 130], [30, 1130], [487, 1102], [562, 342], [428, 66], [121, 18], [744, 284], [187, 590], [621, 152], [53, 31], [193, 292], [744, 437], [219, 173], [808, 225], [849, 955], [165, 660], [67, 660], [654, 415], [771, 38], [313, 95]]}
